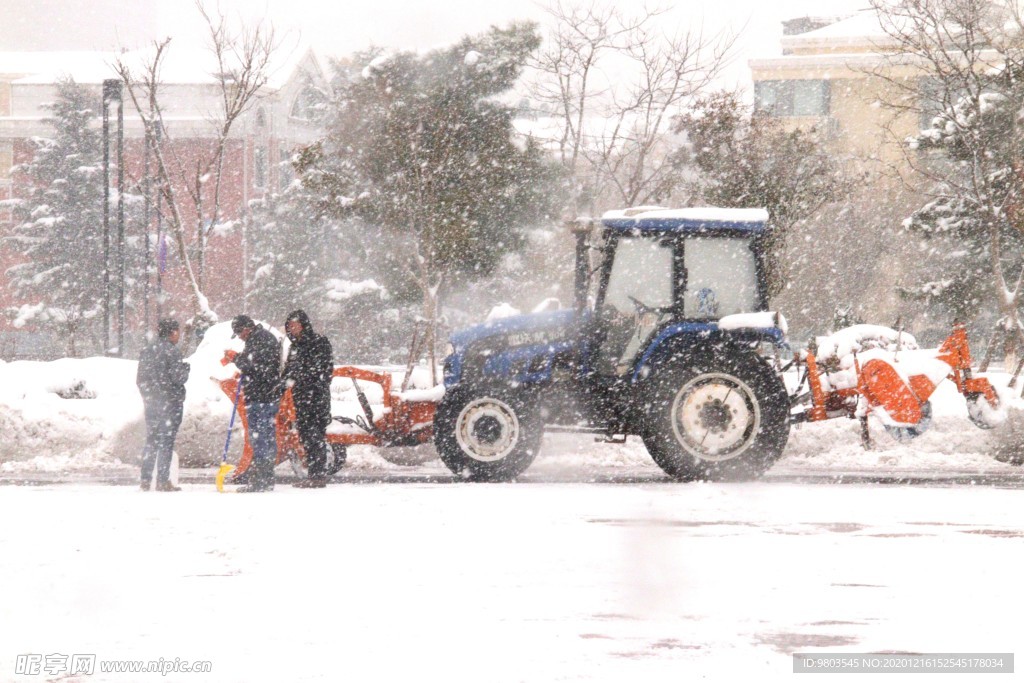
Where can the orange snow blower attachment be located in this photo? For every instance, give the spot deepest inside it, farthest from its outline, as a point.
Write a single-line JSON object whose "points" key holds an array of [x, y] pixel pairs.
{"points": [[402, 419], [882, 386], [896, 386]]}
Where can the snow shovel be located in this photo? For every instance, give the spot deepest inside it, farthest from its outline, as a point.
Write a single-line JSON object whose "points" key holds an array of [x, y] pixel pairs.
{"points": [[225, 466]]}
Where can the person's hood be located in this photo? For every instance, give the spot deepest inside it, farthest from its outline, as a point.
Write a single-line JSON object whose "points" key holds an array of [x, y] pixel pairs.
{"points": [[300, 315]]}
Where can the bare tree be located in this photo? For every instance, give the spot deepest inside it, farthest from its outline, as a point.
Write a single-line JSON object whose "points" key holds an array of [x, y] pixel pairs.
{"points": [[615, 81], [191, 188], [961, 62]]}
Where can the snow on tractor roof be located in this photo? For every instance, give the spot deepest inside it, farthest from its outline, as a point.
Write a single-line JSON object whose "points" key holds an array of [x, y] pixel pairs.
{"points": [[699, 219]]}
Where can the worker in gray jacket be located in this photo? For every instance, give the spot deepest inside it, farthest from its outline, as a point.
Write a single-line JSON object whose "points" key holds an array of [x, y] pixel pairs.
{"points": [[161, 380]]}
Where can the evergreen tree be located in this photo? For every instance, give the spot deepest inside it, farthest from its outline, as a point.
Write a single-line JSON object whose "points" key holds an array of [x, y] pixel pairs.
{"points": [[289, 251], [960, 287], [745, 158], [974, 222], [59, 233], [300, 257], [420, 148], [424, 154]]}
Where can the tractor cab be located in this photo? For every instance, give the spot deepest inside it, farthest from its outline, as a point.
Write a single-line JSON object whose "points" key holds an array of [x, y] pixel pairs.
{"points": [[659, 275], [660, 268]]}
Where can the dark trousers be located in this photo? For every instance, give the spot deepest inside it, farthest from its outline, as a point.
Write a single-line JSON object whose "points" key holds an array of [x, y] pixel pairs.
{"points": [[263, 437], [312, 428], [162, 421]]}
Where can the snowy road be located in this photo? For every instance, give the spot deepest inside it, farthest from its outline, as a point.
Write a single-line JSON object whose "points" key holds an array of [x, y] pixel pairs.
{"points": [[407, 577]]}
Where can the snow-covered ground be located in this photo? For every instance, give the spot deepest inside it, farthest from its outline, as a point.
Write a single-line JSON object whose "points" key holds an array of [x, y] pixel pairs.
{"points": [[507, 582]]}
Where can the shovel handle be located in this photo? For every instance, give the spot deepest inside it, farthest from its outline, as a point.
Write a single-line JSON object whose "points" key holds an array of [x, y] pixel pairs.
{"points": [[231, 424]]}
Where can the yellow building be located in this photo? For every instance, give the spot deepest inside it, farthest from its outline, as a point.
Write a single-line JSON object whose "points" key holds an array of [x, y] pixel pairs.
{"points": [[828, 77], [834, 75]]}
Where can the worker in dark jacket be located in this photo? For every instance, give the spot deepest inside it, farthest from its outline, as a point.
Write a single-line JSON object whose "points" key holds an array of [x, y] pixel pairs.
{"points": [[308, 373], [161, 380], [260, 365]]}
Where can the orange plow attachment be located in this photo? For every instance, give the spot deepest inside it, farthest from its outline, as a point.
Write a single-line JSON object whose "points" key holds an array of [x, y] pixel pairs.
{"points": [[901, 396], [395, 422], [881, 385]]}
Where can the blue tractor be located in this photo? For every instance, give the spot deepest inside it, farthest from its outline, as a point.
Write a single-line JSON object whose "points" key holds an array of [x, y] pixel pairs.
{"points": [[645, 351]]}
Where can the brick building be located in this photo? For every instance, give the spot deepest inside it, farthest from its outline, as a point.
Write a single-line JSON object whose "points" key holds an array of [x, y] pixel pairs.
{"points": [[256, 161]]}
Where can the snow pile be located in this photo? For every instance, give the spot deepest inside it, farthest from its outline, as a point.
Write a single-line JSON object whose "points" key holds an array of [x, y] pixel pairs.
{"points": [[87, 414], [502, 310], [952, 445], [68, 408], [838, 355], [981, 411], [341, 290], [860, 338]]}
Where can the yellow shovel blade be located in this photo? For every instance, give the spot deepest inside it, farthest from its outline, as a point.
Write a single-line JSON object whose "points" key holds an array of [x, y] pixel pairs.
{"points": [[225, 470]]}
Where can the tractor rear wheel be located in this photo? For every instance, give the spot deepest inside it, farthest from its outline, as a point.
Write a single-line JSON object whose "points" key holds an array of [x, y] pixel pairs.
{"points": [[717, 416], [488, 435]]}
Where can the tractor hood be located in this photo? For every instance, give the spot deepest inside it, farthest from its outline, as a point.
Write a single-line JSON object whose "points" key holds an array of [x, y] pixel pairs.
{"points": [[507, 346], [531, 328]]}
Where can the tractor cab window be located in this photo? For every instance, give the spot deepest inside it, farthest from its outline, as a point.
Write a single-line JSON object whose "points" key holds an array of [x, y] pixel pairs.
{"points": [[641, 275], [637, 298], [721, 277]]}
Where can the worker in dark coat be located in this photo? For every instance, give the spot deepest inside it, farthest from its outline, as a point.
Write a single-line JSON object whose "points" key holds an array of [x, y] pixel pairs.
{"points": [[308, 373], [161, 380], [260, 365]]}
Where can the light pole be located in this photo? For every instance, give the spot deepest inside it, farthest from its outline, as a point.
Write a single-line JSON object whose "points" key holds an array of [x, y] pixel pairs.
{"points": [[113, 91]]}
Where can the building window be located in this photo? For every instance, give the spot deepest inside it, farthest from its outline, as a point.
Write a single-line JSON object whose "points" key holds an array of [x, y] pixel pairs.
{"points": [[259, 167], [286, 171], [793, 98], [308, 104]]}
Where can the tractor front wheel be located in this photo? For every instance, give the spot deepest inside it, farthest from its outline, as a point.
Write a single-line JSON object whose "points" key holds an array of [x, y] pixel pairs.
{"points": [[487, 435]]}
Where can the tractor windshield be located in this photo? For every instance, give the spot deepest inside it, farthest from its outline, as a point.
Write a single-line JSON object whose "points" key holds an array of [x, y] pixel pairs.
{"points": [[641, 275], [721, 277]]}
